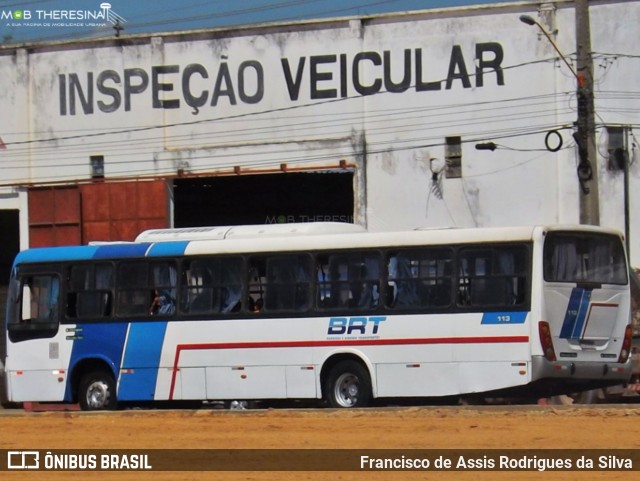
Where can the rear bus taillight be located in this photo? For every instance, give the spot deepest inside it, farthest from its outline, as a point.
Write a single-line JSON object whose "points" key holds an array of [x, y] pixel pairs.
{"points": [[546, 341], [626, 345]]}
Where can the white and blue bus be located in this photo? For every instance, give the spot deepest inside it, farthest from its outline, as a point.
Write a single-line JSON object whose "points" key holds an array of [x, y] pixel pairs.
{"points": [[318, 312]]}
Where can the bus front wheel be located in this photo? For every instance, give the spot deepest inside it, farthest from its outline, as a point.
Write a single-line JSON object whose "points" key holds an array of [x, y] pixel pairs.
{"points": [[97, 391], [347, 385]]}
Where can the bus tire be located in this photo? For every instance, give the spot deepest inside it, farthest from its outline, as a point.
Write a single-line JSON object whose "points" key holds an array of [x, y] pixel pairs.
{"points": [[97, 391], [347, 385]]}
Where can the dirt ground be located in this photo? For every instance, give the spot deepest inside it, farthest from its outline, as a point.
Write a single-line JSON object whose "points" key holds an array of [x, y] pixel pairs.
{"points": [[501, 428]]}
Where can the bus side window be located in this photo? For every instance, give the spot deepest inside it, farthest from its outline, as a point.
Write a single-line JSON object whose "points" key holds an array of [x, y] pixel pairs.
{"points": [[231, 284], [323, 289], [90, 291], [480, 280], [29, 302], [257, 284], [163, 280], [197, 286], [463, 297], [40, 299], [134, 296], [403, 289], [288, 283], [420, 278], [492, 276], [349, 281], [366, 286], [212, 286]]}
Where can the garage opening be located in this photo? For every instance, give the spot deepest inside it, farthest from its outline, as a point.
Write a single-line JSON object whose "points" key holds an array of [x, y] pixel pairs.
{"points": [[264, 199], [10, 228]]}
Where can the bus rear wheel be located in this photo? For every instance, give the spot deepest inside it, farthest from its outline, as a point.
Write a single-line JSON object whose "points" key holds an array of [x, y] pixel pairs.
{"points": [[347, 385], [97, 391]]}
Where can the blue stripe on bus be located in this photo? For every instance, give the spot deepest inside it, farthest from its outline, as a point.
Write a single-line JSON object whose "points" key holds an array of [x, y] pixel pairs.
{"points": [[121, 250], [516, 317], [142, 356], [576, 313], [168, 249], [57, 254], [73, 253], [571, 313], [109, 336], [578, 328], [104, 251]]}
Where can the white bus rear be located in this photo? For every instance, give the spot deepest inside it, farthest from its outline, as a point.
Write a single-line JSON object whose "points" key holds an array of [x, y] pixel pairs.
{"points": [[585, 309]]}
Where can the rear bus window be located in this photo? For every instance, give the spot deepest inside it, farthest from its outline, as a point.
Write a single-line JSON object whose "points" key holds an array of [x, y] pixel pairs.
{"points": [[584, 257]]}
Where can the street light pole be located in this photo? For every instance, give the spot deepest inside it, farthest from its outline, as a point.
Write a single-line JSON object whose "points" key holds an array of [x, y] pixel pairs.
{"points": [[532, 21], [585, 124]]}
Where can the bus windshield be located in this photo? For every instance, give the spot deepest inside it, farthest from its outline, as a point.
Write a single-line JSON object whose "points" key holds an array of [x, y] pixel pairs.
{"points": [[575, 258]]}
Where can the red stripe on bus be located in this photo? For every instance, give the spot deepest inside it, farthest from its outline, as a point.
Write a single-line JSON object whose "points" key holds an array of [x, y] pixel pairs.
{"points": [[334, 343]]}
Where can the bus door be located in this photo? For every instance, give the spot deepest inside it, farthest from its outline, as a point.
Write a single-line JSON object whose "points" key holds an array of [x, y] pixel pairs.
{"points": [[37, 349], [586, 295]]}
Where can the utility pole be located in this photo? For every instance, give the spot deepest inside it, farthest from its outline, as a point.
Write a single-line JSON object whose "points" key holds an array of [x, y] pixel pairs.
{"points": [[585, 135]]}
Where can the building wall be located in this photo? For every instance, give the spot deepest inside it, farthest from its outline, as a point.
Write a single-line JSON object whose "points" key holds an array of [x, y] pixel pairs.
{"points": [[379, 93]]}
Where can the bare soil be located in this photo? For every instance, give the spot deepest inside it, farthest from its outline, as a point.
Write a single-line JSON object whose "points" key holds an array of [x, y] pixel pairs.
{"points": [[531, 427]]}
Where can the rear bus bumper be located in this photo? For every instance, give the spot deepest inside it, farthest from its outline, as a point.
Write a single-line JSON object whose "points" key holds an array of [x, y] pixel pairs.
{"points": [[605, 373]]}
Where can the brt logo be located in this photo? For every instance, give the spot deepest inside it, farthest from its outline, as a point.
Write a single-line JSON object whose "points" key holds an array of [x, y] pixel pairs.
{"points": [[351, 325]]}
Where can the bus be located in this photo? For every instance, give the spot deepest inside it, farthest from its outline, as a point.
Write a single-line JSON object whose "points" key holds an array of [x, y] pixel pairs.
{"points": [[321, 312]]}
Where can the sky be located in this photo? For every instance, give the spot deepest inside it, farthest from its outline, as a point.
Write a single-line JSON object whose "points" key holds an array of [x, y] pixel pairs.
{"points": [[58, 20]]}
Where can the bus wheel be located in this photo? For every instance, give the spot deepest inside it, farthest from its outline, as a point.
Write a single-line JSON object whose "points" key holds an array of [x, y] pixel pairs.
{"points": [[347, 385], [97, 391]]}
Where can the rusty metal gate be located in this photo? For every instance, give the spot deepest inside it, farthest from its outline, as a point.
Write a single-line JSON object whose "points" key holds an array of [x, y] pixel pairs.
{"points": [[101, 211]]}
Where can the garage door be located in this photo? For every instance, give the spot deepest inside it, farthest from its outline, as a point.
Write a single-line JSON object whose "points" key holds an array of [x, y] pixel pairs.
{"points": [[96, 212]]}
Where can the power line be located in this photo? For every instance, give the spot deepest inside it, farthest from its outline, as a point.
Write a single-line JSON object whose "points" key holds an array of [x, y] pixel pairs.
{"points": [[381, 123], [237, 116]]}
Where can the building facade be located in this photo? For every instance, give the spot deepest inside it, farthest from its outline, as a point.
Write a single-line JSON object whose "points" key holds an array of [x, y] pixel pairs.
{"points": [[450, 117]]}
